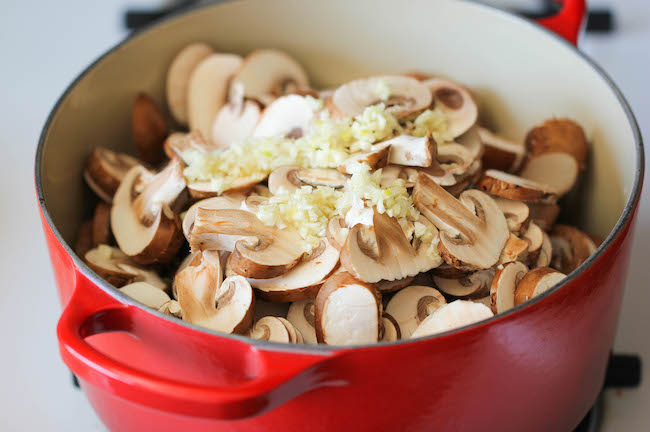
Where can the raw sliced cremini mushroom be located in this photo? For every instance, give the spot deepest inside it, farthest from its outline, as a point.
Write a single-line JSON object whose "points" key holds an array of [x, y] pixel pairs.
{"points": [[236, 120], [571, 247], [402, 96], [516, 188], [302, 281], [146, 294], [84, 241], [391, 173], [454, 163], [535, 238], [143, 224], [294, 334], [515, 249], [205, 189], [292, 178], [186, 261], [499, 153], [536, 282], [118, 269], [208, 90], [149, 129], [458, 313], [466, 181], [172, 307], [178, 78], [232, 202], [474, 285], [348, 311], [284, 178], [473, 230], [376, 157], [289, 116], [544, 215], [389, 330], [471, 140], [273, 329], [546, 252], [105, 170], [558, 135], [516, 213], [456, 102], [412, 151], [502, 291], [101, 232], [268, 74], [410, 306], [386, 287], [266, 252], [301, 315], [558, 170], [337, 232]]}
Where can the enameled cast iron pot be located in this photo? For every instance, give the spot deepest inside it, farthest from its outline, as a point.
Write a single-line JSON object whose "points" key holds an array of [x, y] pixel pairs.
{"points": [[537, 367]]}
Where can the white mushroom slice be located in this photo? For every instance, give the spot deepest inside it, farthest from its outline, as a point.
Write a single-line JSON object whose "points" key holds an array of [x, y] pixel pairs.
{"points": [[146, 294], [231, 202], [456, 314], [172, 307], [178, 142], [207, 190], [178, 78], [516, 188], [544, 215], [337, 232], [348, 311], [475, 285], [389, 330], [500, 153], [302, 281], [473, 230], [272, 329], [186, 261], [516, 213], [284, 178], [558, 135], [412, 151], [252, 203], [289, 116], [412, 305], [301, 315], [535, 237], [456, 102], [502, 291], [321, 177], [386, 287], [267, 252], [207, 90], [558, 170], [571, 247], [515, 249], [105, 260], [376, 157], [535, 282], [144, 226], [236, 120], [407, 96], [545, 253], [105, 170]]}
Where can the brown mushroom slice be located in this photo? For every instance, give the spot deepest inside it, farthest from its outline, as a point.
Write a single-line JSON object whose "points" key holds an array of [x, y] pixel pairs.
{"points": [[178, 78], [265, 253], [412, 305], [515, 249], [571, 247], [535, 238], [105, 260], [466, 181], [386, 287], [207, 90], [389, 330], [205, 189], [546, 252], [535, 282], [502, 291], [558, 135], [391, 173], [558, 170], [454, 163], [500, 153], [236, 120], [146, 294], [473, 230], [376, 157], [301, 315], [272, 329], [456, 102], [84, 241], [407, 96], [105, 170], [231, 202], [459, 313], [302, 281], [268, 74], [172, 307], [544, 215], [144, 226], [516, 188], [412, 151], [288, 116], [347, 312], [101, 232], [284, 178], [148, 129], [178, 142], [321, 177], [516, 212], [474, 285], [337, 232]]}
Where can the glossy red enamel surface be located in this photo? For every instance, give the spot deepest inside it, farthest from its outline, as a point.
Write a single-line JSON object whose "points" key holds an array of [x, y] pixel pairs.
{"points": [[569, 21]]}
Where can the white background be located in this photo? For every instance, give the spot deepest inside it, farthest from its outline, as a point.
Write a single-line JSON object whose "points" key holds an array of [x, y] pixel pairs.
{"points": [[45, 44]]}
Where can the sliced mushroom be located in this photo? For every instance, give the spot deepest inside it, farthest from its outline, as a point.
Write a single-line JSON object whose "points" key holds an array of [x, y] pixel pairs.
{"points": [[501, 154], [119, 269], [502, 291], [273, 329], [231, 202], [458, 313], [205, 189], [558, 135], [407, 96], [546, 252], [471, 140], [412, 151], [294, 334], [558, 170], [571, 247], [544, 215], [186, 261], [208, 90], [265, 253], [143, 224], [289, 116], [149, 129], [516, 188], [516, 212], [536, 282], [178, 78], [386, 287], [178, 142], [535, 238], [412, 305], [467, 180], [105, 170], [391, 173], [292, 178], [454, 163], [236, 120], [347, 312], [456, 102], [389, 330], [101, 232], [84, 241], [515, 249], [376, 157], [301, 315], [473, 228], [172, 307], [472, 286], [146, 294], [337, 232], [284, 178]]}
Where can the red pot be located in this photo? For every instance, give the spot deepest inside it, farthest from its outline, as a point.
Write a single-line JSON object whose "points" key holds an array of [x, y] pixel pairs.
{"points": [[537, 367]]}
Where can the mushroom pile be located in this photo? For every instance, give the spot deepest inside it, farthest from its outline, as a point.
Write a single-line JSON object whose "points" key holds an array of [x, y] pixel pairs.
{"points": [[377, 211]]}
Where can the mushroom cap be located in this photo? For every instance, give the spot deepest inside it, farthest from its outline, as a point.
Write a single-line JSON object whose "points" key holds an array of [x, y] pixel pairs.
{"points": [[536, 282], [456, 102], [558, 135], [516, 188], [105, 170], [232, 202], [502, 291], [571, 247], [412, 305], [235, 121], [546, 252], [148, 129], [301, 315], [535, 238], [389, 330], [321, 177], [558, 170], [474, 285], [146, 294], [458, 313], [500, 153], [390, 173], [516, 212], [411, 150], [337, 232], [543, 214], [288, 116]]}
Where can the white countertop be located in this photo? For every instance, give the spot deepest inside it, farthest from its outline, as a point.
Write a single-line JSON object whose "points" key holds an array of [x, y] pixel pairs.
{"points": [[44, 48]]}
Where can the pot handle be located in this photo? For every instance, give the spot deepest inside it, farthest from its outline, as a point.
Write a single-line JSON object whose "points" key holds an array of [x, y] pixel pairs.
{"points": [[92, 311], [569, 21]]}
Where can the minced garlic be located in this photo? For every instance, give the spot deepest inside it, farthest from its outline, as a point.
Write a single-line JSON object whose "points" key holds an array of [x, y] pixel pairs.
{"points": [[434, 121]]}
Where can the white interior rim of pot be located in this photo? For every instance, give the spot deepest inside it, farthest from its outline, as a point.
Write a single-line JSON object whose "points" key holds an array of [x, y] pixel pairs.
{"points": [[621, 223]]}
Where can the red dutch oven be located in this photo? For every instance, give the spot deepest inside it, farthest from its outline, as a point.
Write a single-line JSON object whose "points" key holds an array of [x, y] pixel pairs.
{"points": [[538, 367]]}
